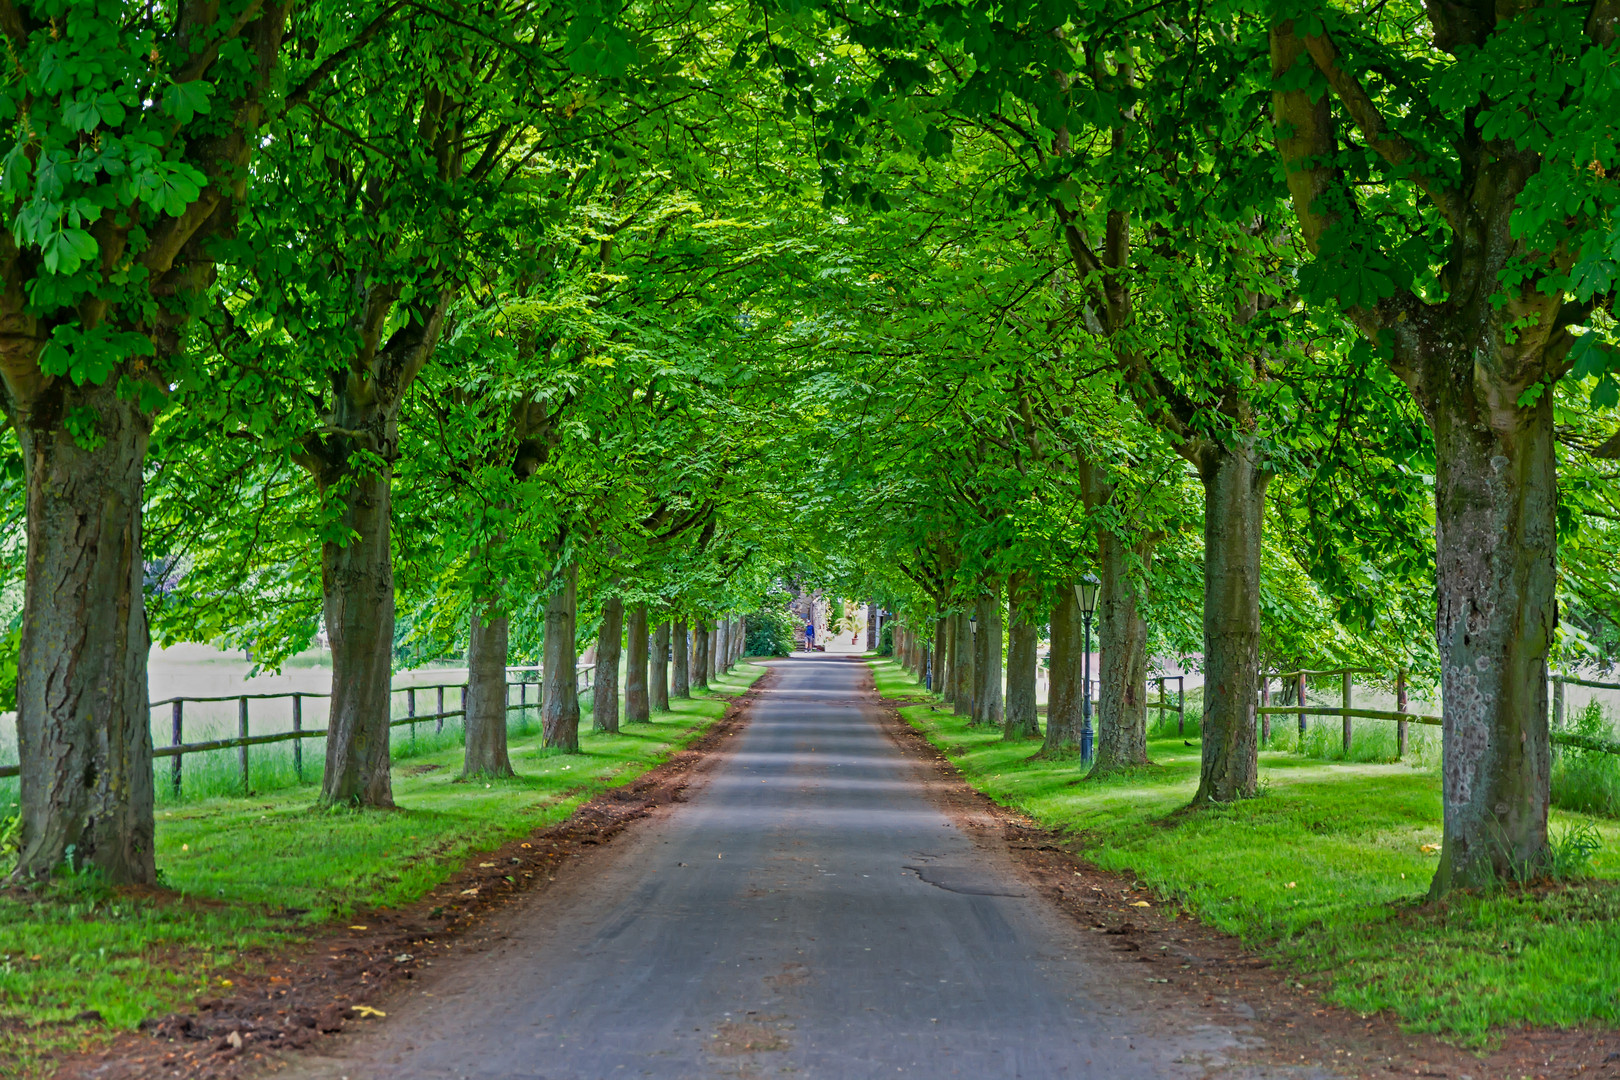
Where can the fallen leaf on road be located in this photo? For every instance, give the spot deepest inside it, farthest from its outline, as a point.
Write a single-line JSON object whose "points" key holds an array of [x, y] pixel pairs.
{"points": [[358, 928], [367, 1010], [1141, 903], [470, 892]]}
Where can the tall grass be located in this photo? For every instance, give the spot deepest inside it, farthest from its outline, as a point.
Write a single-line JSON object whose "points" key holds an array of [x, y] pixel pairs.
{"points": [[1584, 780]]}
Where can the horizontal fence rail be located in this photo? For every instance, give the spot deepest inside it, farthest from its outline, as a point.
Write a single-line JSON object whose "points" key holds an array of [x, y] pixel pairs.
{"points": [[178, 747]]}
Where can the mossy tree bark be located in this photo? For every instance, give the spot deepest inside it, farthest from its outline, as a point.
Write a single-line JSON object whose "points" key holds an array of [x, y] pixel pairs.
{"points": [[84, 736], [1021, 720], [605, 693], [963, 701], [559, 708], [357, 580], [1065, 699], [1234, 511], [658, 669], [988, 706], [681, 662], [942, 629], [485, 722], [637, 707], [701, 637], [1122, 649]]}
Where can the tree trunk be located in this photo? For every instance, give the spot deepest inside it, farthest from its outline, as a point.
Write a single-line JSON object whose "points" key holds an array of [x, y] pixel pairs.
{"points": [[701, 637], [1496, 568], [946, 687], [963, 704], [1021, 722], [722, 645], [1122, 642], [636, 709], [711, 664], [559, 709], [658, 670], [485, 722], [988, 706], [1065, 704], [941, 648], [358, 583], [605, 696], [871, 627], [1234, 509], [682, 663], [84, 737]]}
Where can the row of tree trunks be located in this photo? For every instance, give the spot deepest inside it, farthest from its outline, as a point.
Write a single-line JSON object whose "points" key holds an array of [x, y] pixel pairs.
{"points": [[941, 648], [609, 648], [1021, 721]]}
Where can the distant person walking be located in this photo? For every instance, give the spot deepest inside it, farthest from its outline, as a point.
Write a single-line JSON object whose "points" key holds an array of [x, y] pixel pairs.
{"points": [[809, 636]]}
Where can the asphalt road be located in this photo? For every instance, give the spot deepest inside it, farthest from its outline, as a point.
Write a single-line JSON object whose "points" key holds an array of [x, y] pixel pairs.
{"points": [[812, 911]]}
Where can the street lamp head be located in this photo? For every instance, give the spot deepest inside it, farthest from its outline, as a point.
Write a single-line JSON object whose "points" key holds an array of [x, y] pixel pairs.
{"points": [[1085, 591], [973, 624]]}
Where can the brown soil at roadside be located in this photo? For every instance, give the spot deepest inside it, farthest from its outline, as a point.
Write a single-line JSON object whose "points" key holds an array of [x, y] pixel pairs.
{"points": [[1204, 974], [294, 1000]]}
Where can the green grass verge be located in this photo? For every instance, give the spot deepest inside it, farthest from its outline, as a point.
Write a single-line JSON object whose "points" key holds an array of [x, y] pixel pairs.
{"points": [[1325, 872], [266, 871]]}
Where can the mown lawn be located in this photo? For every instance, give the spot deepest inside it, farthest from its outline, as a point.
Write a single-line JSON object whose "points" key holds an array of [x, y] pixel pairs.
{"points": [[265, 870], [1325, 872]]}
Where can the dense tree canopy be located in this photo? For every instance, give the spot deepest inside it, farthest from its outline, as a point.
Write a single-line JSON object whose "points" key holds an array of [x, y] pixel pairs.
{"points": [[496, 330]]}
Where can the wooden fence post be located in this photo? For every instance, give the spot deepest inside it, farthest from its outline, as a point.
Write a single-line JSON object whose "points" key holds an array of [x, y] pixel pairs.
{"points": [[439, 725], [1558, 704], [1265, 702], [1299, 686], [242, 729], [179, 740], [410, 710], [1345, 697], [1400, 706], [298, 744], [1181, 704]]}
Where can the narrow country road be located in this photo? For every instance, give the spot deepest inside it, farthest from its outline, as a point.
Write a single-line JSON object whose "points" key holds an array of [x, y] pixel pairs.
{"points": [[812, 911]]}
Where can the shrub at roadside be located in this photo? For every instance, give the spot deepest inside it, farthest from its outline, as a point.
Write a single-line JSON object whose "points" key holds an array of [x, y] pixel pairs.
{"points": [[768, 633]]}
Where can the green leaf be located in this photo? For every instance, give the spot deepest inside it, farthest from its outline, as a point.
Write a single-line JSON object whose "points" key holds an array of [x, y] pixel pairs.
{"points": [[65, 250], [184, 101]]}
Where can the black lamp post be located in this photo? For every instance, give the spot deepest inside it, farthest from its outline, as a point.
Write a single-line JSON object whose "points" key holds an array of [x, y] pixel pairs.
{"points": [[1085, 591]]}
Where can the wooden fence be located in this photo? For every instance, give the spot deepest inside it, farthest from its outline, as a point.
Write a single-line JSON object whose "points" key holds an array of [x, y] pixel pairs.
{"points": [[178, 748], [1399, 715]]}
